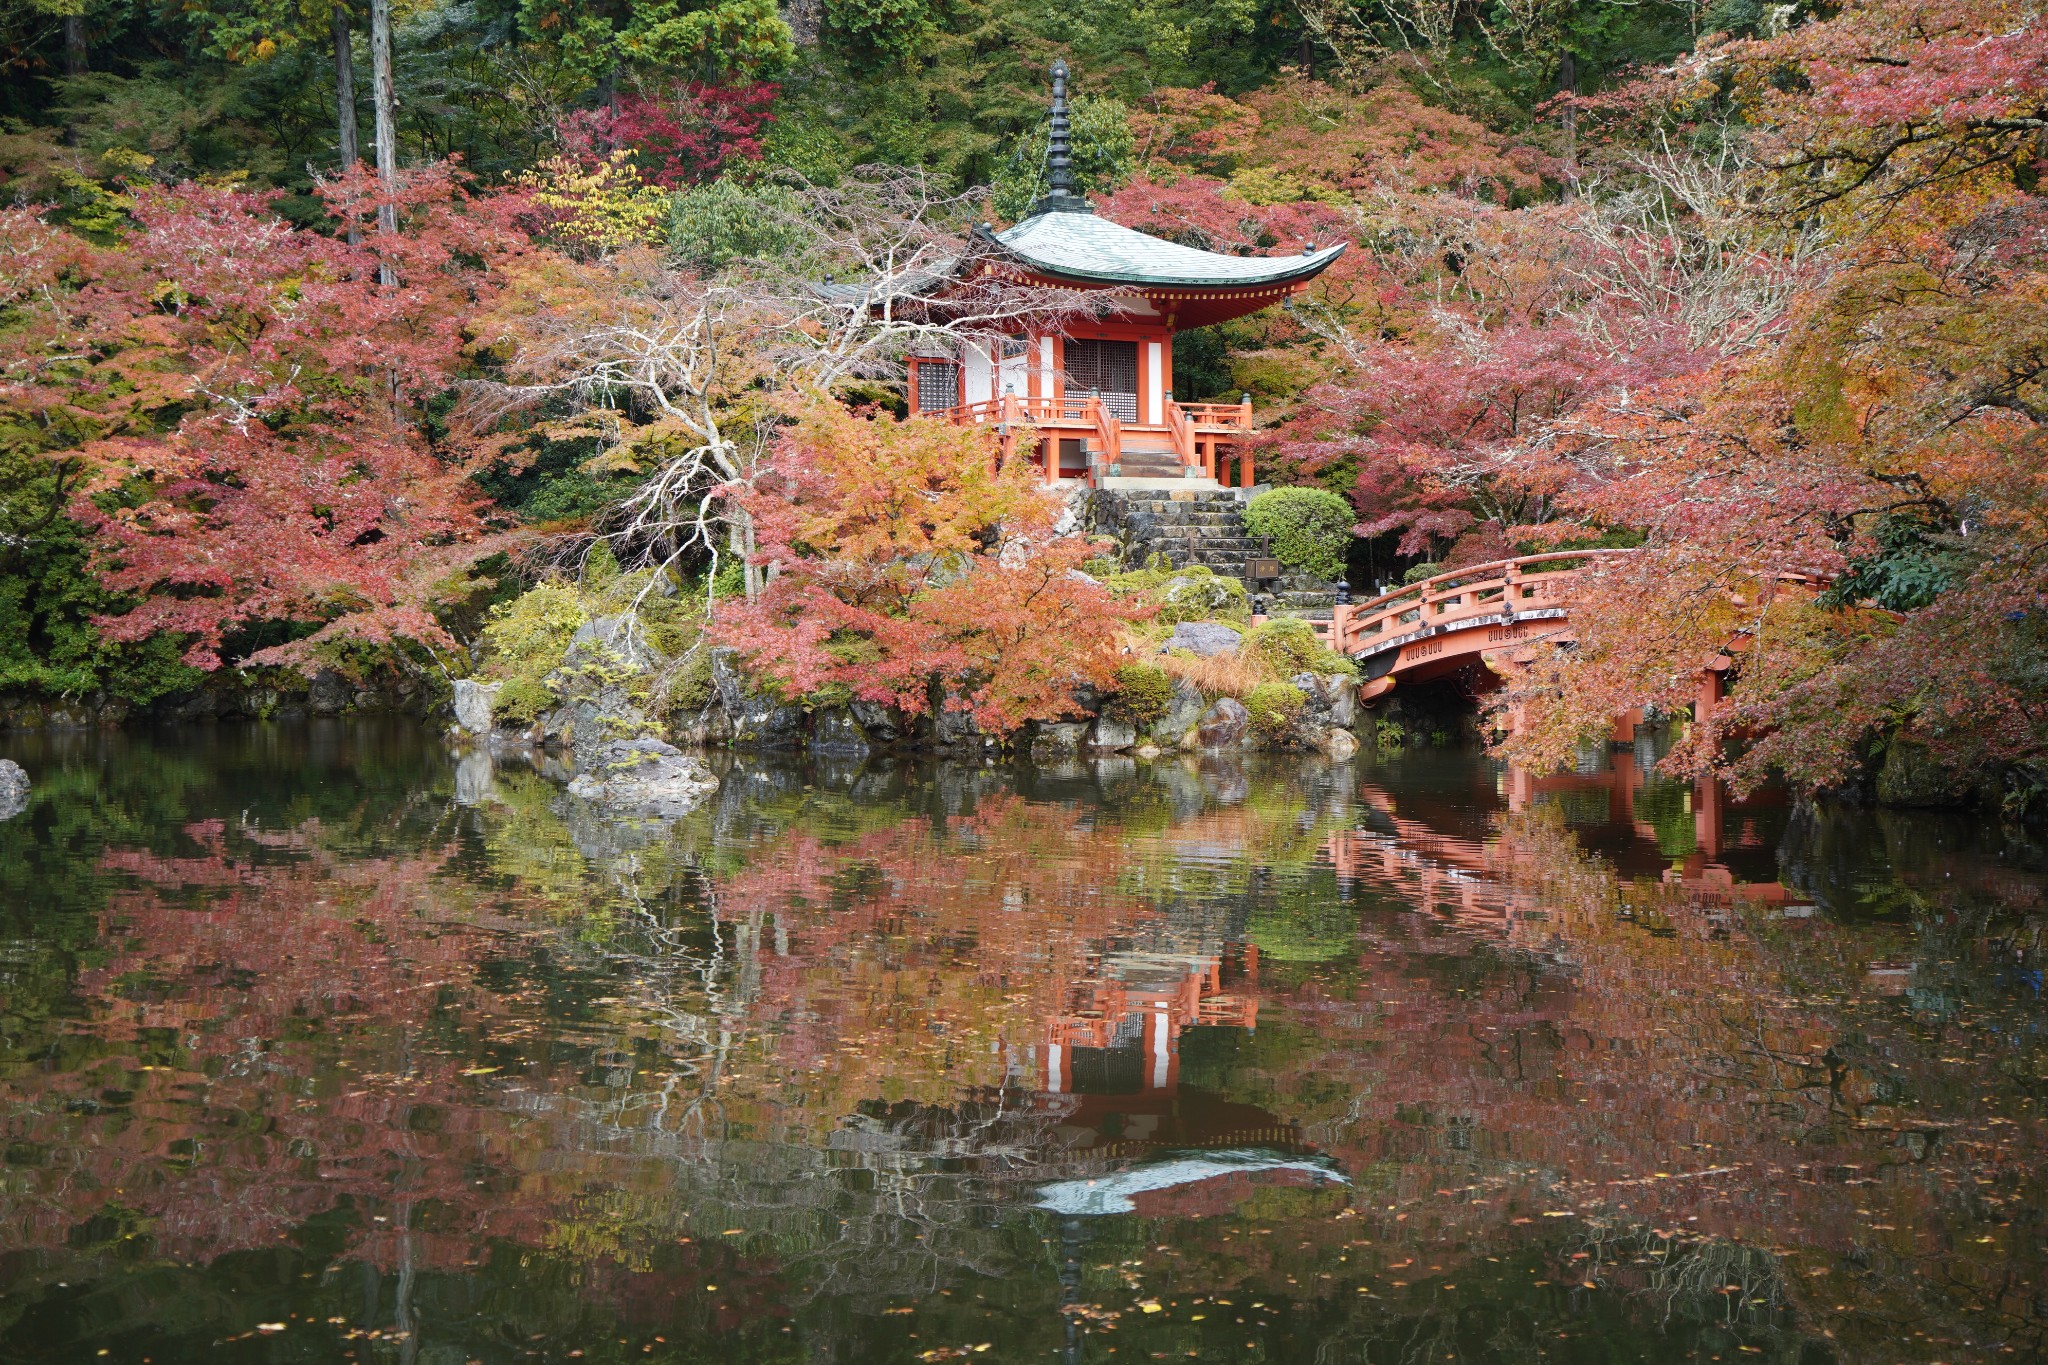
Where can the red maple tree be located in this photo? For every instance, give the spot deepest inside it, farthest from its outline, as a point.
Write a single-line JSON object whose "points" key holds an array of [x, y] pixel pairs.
{"points": [[251, 398]]}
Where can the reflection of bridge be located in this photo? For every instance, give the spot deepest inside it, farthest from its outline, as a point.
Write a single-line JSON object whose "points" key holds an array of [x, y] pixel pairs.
{"points": [[1471, 881]]}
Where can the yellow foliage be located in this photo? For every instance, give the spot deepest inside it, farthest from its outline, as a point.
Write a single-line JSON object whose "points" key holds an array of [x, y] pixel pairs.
{"points": [[600, 208]]}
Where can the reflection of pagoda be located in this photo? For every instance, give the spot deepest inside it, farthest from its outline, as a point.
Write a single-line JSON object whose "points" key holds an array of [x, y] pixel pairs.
{"points": [[1112, 1065]]}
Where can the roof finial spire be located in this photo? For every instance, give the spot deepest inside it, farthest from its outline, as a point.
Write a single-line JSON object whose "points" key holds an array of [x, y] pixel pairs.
{"points": [[1060, 195]]}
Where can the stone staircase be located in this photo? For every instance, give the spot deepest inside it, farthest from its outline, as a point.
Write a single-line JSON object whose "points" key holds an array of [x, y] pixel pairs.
{"points": [[1149, 460], [1196, 526]]}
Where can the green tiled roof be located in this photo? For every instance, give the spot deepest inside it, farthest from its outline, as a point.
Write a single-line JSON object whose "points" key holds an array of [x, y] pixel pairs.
{"points": [[1082, 247]]}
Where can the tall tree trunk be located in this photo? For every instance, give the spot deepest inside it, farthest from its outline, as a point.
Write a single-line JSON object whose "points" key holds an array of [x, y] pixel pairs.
{"points": [[345, 89], [345, 101], [74, 63], [74, 45], [384, 98], [1568, 84]]}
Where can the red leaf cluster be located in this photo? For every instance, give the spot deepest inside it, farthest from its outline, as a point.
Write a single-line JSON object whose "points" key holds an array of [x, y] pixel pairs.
{"points": [[249, 396], [684, 137]]}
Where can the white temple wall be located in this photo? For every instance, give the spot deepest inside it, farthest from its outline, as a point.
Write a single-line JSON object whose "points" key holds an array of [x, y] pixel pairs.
{"points": [[977, 375], [1013, 375], [1152, 402]]}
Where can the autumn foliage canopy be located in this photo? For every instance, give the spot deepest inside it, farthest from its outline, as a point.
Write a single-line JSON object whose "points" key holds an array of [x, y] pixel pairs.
{"points": [[242, 401], [909, 569]]}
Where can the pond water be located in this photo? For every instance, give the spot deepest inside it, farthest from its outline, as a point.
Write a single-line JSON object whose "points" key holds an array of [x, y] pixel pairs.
{"points": [[322, 1043]]}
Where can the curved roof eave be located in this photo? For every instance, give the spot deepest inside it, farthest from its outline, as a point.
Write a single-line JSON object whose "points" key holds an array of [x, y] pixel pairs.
{"points": [[1085, 249]]}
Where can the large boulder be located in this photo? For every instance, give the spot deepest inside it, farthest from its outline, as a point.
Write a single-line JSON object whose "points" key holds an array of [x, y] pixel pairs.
{"points": [[601, 679], [1203, 639], [759, 720], [1224, 724], [1057, 741], [836, 732], [1187, 596], [1329, 709], [881, 723], [613, 642], [1913, 776], [1108, 733], [1342, 691], [473, 704], [328, 694], [1183, 713], [644, 777], [708, 728], [954, 726], [14, 789], [1337, 744]]}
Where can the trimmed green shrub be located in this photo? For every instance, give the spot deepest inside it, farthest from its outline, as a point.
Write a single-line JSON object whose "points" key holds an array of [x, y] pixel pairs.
{"points": [[1417, 572], [1274, 705], [1310, 528], [1143, 692], [1290, 646]]}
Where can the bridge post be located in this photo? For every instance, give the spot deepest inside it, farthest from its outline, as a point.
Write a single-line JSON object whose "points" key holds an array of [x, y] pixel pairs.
{"points": [[1708, 693], [1624, 731]]}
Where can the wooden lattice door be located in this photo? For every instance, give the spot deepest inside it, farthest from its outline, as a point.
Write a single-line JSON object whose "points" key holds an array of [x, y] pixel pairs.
{"points": [[1108, 368]]}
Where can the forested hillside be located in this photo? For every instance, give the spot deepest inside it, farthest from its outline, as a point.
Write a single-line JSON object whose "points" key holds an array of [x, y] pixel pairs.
{"points": [[1757, 288]]}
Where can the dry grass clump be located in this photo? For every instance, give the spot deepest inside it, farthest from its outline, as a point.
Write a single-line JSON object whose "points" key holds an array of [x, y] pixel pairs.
{"points": [[1222, 675]]}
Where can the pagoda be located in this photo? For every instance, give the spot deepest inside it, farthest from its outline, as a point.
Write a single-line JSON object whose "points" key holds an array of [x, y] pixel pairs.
{"points": [[1098, 393]]}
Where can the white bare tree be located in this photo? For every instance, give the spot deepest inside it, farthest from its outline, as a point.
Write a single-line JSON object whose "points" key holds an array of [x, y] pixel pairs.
{"points": [[1686, 245], [695, 368]]}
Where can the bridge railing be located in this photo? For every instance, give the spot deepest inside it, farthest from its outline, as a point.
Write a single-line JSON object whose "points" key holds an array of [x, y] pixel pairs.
{"points": [[1523, 585]]}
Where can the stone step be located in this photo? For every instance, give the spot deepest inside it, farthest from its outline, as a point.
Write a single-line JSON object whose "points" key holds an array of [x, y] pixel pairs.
{"points": [[1143, 484]]}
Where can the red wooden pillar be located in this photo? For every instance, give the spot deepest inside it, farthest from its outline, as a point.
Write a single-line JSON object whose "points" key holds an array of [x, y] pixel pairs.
{"points": [[1244, 424]]}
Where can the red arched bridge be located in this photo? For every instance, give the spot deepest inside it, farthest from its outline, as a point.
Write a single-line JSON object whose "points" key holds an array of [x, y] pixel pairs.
{"points": [[1484, 614], [1434, 628]]}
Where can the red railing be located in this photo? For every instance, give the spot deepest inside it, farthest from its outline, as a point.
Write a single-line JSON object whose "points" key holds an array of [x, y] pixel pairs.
{"points": [[1502, 587], [1192, 428], [1235, 417], [1182, 433]]}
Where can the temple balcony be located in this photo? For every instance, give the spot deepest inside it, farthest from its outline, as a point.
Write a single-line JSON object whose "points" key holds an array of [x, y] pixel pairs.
{"points": [[1081, 440]]}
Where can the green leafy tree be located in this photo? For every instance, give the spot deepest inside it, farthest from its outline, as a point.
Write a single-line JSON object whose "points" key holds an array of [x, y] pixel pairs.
{"points": [[1104, 156], [595, 45]]}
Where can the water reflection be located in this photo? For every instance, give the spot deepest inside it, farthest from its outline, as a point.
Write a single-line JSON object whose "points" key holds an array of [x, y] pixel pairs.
{"points": [[323, 1043]]}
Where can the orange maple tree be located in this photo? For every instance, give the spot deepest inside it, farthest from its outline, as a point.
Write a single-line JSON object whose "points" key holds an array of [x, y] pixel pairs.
{"points": [[906, 559]]}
